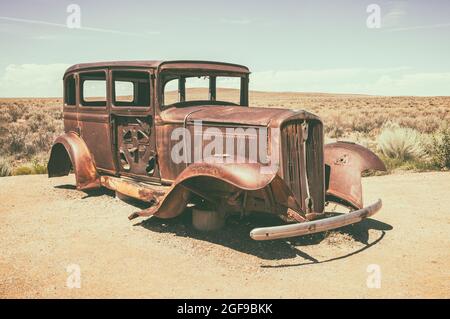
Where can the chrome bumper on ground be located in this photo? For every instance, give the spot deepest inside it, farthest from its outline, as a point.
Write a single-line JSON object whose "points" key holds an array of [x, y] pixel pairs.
{"points": [[292, 230]]}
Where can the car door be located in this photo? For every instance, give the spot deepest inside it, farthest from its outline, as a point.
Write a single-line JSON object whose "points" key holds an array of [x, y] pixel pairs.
{"points": [[94, 124], [132, 113]]}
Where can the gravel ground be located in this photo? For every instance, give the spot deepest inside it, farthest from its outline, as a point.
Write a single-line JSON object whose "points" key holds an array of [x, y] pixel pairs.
{"points": [[48, 229]]}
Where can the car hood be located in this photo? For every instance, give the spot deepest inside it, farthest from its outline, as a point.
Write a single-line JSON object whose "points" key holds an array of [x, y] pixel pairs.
{"points": [[237, 115]]}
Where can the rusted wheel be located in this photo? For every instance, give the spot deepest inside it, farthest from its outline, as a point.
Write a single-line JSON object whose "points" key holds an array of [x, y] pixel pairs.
{"points": [[207, 220]]}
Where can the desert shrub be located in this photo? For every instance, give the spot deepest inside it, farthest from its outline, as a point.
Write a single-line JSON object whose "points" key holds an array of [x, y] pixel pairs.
{"points": [[393, 164], [23, 170], [5, 168], [14, 140], [335, 126], [5, 117], [28, 127], [400, 143], [30, 168], [426, 124], [16, 111], [37, 142], [440, 148], [365, 123], [39, 168]]}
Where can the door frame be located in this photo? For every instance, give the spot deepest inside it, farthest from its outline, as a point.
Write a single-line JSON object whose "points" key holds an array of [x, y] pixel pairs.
{"points": [[96, 114], [132, 111]]}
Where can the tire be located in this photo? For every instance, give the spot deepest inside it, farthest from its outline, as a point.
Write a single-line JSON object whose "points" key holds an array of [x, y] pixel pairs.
{"points": [[207, 220]]}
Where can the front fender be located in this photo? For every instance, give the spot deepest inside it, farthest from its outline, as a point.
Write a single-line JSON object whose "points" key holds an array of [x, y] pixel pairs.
{"points": [[345, 162], [70, 151], [204, 179]]}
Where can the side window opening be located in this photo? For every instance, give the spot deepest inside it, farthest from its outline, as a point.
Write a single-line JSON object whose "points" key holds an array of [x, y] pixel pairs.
{"points": [[69, 91], [170, 91], [131, 88], [93, 88]]}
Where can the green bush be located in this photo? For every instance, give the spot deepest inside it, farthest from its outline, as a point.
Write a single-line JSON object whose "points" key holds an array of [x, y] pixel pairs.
{"points": [[39, 168], [31, 168], [440, 148], [414, 165], [23, 170]]}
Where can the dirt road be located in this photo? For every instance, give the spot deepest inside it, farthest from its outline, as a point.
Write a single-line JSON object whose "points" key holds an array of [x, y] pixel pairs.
{"points": [[47, 227]]}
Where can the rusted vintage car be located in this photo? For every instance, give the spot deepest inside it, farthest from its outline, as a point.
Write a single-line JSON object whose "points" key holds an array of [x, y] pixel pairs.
{"points": [[126, 128]]}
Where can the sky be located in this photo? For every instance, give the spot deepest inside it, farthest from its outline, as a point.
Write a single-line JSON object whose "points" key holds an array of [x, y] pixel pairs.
{"points": [[336, 46]]}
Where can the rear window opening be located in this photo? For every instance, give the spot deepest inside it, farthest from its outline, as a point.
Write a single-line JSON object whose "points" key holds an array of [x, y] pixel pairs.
{"points": [[70, 91], [93, 88]]}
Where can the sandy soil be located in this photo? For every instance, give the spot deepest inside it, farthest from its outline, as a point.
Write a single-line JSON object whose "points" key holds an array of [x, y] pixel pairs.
{"points": [[46, 226]]}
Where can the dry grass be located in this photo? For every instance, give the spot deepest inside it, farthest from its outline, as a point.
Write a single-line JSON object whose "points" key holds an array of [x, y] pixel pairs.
{"points": [[439, 147], [347, 114], [401, 143], [5, 167], [28, 126], [27, 130], [361, 119], [362, 113]]}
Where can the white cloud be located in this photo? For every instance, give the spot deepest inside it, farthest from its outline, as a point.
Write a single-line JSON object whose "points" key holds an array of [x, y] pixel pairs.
{"points": [[84, 28], [242, 21], [419, 27], [32, 80], [395, 15], [44, 37], [382, 81], [45, 80]]}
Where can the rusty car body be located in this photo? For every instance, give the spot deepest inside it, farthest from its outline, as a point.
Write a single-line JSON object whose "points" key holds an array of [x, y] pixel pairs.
{"points": [[124, 140]]}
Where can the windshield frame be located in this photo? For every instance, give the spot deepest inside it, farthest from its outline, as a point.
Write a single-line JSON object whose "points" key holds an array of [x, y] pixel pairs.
{"points": [[166, 76]]}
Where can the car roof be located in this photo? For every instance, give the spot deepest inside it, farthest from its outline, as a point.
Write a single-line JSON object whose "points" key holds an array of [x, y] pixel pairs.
{"points": [[158, 64]]}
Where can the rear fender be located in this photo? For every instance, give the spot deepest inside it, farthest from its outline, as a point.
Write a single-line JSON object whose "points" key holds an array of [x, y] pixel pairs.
{"points": [[344, 164], [70, 151]]}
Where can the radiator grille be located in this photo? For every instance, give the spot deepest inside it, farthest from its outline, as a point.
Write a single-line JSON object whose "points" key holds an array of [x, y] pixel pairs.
{"points": [[294, 166]]}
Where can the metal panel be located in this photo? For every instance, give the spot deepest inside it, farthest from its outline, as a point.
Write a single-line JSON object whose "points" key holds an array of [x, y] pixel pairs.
{"points": [[315, 165], [300, 168]]}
